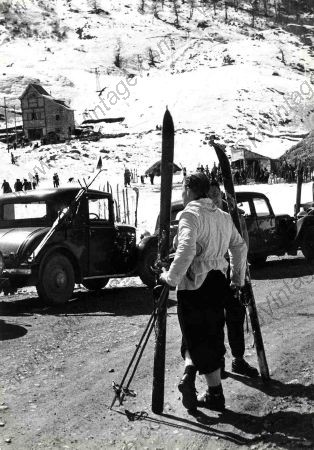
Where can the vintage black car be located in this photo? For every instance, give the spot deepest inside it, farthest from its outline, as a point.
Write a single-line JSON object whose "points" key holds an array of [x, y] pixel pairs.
{"points": [[88, 247], [269, 234]]}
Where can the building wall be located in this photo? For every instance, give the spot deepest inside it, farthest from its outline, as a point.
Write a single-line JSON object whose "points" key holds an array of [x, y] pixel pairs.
{"points": [[33, 112], [58, 118], [42, 115]]}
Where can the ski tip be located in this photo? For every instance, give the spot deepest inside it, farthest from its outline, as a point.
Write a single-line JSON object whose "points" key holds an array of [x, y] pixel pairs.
{"points": [[167, 122]]}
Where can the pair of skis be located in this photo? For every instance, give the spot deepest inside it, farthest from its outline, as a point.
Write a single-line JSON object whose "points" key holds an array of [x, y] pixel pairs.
{"points": [[163, 252]]}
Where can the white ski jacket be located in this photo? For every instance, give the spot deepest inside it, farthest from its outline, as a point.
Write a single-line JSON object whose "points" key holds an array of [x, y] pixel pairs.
{"points": [[205, 234]]}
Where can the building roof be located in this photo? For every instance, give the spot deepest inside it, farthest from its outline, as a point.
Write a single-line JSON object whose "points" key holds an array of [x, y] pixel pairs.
{"points": [[38, 88], [243, 153], [44, 93]]}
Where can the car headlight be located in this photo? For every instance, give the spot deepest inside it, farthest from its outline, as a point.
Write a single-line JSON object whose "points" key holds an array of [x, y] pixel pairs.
{"points": [[1, 263]]}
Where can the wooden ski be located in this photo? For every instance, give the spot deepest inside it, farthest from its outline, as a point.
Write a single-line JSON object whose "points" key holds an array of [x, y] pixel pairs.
{"points": [[247, 293], [163, 255]]}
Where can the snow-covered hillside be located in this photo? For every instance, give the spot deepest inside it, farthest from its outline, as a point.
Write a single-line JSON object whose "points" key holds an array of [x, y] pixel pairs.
{"points": [[250, 86]]}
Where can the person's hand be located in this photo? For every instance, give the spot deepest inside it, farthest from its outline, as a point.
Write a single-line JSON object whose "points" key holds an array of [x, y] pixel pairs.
{"points": [[163, 276], [236, 290]]}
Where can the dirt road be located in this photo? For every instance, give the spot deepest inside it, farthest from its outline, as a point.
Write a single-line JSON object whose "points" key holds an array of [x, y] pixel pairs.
{"points": [[58, 364]]}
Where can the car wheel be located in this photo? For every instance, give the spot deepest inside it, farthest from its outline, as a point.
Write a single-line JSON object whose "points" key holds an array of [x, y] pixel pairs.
{"points": [[257, 261], [148, 259], [56, 279], [95, 285], [307, 244]]}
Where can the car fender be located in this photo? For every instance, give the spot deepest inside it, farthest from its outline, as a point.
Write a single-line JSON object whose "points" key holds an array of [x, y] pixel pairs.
{"points": [[58, 248], [302, 224]]}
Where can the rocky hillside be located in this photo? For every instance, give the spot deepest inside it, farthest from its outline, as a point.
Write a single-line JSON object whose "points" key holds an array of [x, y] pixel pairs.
{"points": [[303, 150]]}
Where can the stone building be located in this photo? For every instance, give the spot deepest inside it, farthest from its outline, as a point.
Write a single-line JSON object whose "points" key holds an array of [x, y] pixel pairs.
{"points": [[43, 114]]}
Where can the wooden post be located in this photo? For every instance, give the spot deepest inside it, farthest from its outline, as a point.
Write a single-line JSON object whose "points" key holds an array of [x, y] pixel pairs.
{"points": [[124, 206], [118, 204], [15, 125], [127, 205], [299, 189], [6, 123]]}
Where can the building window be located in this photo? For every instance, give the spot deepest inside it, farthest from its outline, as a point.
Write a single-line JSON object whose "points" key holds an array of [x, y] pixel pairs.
{"points": [[34, 116], [57, 116], [58, 130], [32, 101]]}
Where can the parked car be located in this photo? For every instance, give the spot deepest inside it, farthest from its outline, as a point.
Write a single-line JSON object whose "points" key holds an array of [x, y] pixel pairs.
{"points": [[87, 247], [269, 234]]}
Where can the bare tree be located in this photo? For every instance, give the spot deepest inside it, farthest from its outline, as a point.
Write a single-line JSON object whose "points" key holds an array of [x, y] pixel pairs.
{"points": [[176, 11], [226, 10], [254, 11], [152, 57], [155, 8], [283, 59], [192, 6], [117, 57], [142, 7], [265, 7], [215, 6]]}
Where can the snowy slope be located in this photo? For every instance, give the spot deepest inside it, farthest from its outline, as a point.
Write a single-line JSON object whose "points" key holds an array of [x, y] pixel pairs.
{"points": [[262, 100]]}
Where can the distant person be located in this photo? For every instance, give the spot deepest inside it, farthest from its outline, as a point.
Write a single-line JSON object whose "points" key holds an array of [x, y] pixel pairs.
{"points": [[6, 188], [12, 158], [127, 178], [14, 146], [18, 185], [26, 185], [34, 182], [151, 177], [55, 180], [37, 178]]}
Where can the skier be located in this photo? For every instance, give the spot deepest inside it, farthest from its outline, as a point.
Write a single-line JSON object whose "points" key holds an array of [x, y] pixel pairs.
{"points": [[12, 158], [37, 178], [198, 270], [235, 311]]}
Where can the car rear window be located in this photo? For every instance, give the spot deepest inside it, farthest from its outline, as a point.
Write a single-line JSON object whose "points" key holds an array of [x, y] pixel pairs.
{"points": [[23, 211]]}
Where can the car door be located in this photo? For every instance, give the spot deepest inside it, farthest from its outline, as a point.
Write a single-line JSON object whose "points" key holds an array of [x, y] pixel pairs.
{"points": [[245, 207], [102, 237], [266, 225]]}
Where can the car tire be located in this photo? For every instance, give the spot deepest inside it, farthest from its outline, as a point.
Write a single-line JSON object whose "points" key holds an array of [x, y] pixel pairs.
{"points": [[56, 279], [147, 261], [307, 244], [95, 285]]}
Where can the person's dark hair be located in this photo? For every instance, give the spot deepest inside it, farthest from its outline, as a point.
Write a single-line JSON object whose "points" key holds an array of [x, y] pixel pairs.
{"points": [[214, 183], [198, 183]]}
